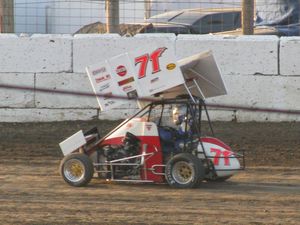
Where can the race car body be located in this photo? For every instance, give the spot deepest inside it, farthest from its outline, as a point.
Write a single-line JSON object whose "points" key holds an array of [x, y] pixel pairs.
{"points": [[147, 148], [165, 141]]}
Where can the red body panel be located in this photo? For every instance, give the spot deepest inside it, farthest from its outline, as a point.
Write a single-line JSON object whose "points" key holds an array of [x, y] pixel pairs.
{"points": [[215, 141], [157, 159]]}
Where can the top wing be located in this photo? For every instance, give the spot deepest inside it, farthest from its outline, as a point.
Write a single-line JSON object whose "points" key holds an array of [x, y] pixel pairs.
{"points": [[202, 77]]}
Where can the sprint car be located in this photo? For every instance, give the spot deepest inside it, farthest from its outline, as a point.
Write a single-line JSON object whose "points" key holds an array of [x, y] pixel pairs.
{"points": [[164, 142]]}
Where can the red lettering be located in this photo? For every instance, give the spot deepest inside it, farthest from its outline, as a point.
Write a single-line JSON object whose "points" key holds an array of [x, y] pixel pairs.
{"points": [[154, 57], [217, 155], [144, 59], [221, 155]]}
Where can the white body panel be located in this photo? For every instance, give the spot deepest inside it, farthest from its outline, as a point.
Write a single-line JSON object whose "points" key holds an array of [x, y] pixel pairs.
{"points": [[147, 71], [102, 81], [204, 70], [161, 69], [223, 159], [123, 73], [137, 127], [72, 143]]}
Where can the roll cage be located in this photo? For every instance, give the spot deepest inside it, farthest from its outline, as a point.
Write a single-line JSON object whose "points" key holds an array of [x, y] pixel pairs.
{"points": [[194, 108]]}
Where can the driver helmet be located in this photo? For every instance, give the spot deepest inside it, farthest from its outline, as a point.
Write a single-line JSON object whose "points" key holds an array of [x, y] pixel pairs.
{"points": [[179, 114]]}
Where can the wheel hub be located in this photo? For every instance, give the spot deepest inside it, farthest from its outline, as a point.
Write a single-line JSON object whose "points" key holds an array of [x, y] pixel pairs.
{"points": [[74, 170], [183, 172]]}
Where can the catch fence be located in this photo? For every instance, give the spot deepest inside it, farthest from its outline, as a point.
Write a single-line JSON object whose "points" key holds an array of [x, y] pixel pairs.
{"points": [[71, 16]]}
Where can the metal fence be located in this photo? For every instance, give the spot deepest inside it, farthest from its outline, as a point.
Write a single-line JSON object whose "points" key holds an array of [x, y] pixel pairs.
{"points": [[69, 16]]}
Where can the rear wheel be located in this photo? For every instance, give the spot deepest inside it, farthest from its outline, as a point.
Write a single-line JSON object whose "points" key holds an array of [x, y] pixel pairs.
{"points": [[77, 169], [184, 171]]}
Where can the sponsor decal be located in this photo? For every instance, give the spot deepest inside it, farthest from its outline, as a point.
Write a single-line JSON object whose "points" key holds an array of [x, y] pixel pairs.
{"points": [[102, 78], [154, 80], [132, 94], [100, 70], [126, 81], [127, 88], [121, 70], [148, 126], [171, 66], [102, 88], [128, 125]]}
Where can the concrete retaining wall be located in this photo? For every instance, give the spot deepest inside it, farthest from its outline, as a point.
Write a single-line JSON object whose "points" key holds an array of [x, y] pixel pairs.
{"points": [[260, 71]]}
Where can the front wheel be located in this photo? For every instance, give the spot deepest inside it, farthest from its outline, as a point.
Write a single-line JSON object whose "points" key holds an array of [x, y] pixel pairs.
{"points": [[77, 169], [184, 171]]}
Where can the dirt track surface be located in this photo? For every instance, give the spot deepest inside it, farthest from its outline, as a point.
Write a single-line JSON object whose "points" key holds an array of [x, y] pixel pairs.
{"points": [[32, 192]]}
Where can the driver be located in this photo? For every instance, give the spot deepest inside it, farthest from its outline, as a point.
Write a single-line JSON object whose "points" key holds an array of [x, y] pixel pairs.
{"points": [[174, 136], [179, 115]]}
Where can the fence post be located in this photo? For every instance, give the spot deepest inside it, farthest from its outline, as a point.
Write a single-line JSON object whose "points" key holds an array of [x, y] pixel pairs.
{"points": [[1, 16], [112, 16], [248, 17], [147, 7], [6, 16]]}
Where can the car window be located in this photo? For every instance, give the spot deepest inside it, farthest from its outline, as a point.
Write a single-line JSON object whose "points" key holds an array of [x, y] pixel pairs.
{"points": [[168, 29], [187, 17], [238, 19], [231, 21], [164, 17], [203, 25], [217, 23]]}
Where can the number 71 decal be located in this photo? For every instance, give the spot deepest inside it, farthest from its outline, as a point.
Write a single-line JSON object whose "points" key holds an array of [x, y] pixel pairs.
{"points": [[221, 154], [144, 59]]}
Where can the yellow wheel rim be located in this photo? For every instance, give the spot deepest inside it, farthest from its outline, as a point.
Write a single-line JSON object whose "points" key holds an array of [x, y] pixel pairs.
{"points": [[74, 170], [183, 172]]}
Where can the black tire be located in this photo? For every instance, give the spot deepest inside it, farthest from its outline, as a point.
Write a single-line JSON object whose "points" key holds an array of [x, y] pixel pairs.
{"points": [[77, 169], [184, 171]]}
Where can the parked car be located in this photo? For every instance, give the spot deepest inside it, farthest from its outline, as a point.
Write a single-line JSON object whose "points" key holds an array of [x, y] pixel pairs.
{"points": [[187, 21], [195, 21]]}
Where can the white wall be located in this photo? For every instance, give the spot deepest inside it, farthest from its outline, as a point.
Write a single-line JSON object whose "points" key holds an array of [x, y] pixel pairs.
{"points": [[260, 71]]}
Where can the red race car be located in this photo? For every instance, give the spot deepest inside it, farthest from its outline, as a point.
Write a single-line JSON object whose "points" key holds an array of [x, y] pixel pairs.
{"points": [[164, 142]]}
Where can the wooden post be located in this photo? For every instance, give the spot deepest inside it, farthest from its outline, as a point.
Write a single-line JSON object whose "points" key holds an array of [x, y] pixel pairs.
{"points": [[248, 17], [1, 16], [112, 16], [7, 16], [147, 9]]}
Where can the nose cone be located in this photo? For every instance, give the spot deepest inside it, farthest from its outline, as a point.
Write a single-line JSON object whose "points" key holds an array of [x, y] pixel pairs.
{"points": [[230, 169], [225, 161]]}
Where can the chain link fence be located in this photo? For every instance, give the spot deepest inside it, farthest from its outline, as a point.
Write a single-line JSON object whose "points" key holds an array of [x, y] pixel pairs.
{"points": [[90, 16]]}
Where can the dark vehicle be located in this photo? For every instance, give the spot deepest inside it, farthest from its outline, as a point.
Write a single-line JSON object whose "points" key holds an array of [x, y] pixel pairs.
{"points": [[195, 21]]}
